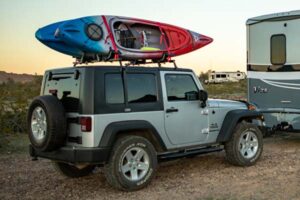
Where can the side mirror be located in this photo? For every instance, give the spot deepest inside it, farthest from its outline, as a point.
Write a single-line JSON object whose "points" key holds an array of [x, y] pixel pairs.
{"points": [[203, 96]]}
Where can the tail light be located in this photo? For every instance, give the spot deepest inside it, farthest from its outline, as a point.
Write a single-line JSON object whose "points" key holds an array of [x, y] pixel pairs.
{"points": [[53, 92], [86, 124]]}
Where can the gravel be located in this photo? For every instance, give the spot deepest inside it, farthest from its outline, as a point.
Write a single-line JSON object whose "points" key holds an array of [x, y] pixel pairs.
{"points": [[275, 176]]}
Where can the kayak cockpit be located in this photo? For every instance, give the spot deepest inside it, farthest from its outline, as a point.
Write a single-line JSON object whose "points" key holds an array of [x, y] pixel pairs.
{"points": [[139, 36]]}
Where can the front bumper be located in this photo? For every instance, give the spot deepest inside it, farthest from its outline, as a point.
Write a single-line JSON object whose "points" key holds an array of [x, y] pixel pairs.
{"points": [[73, 154]]}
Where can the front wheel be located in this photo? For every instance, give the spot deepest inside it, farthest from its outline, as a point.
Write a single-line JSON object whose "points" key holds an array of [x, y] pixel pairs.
{"points": [[132, 163], [245, 146]]}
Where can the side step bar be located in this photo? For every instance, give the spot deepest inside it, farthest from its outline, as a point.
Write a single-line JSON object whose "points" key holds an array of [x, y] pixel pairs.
{"points": [[187, 153]]}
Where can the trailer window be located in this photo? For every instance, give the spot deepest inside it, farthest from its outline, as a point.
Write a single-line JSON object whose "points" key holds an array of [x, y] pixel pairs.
{"points": [[278, 49]]}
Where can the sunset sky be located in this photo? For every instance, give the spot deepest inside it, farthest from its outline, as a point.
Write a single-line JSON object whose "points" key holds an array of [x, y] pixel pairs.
{"points": [[223, 20]]}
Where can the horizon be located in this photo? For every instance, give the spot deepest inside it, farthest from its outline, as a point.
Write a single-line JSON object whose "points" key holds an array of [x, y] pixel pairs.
{"points": [[223, 21]]}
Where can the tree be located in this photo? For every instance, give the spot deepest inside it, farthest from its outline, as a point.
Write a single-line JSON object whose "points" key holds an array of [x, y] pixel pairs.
{"points": [[204, 75]]}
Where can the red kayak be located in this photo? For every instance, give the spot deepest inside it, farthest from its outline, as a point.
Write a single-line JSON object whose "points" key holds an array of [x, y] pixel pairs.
{"points": [[120, 38]]}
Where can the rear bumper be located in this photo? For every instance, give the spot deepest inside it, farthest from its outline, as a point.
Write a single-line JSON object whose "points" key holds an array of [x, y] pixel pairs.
{"points": [[73, 154]]}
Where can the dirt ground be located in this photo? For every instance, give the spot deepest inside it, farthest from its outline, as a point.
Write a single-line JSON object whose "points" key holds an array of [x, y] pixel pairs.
{"points": [[275, 176]]}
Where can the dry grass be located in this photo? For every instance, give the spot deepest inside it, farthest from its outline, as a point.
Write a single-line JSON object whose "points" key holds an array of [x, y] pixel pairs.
{"points": [[13, 143], [235, 91]]}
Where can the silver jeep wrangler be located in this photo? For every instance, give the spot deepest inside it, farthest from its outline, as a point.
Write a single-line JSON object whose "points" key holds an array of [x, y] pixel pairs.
{"points": [[126, 119]]}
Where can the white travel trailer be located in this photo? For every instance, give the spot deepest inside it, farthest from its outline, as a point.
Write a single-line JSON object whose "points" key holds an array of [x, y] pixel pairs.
{"points": [[273, 68], [221, 77]]}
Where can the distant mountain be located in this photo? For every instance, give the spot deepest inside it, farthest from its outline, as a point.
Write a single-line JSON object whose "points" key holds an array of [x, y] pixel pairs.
{"points": [[23, 78]]}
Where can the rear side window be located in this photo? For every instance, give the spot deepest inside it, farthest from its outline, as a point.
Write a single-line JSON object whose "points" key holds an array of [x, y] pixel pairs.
{"points": [[141, 88], [181, 87], [278, 49], [114, 91]]}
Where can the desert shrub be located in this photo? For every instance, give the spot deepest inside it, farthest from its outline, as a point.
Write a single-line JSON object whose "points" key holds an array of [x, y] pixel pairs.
{"points": [[14, 101], [230, 90]]}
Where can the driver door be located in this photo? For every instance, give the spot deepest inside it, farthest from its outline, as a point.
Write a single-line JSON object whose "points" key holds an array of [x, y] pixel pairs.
{"points": [[185, 121]]}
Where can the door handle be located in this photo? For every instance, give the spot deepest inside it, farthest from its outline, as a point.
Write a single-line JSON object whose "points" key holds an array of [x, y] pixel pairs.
{"points": [[169, 110]]}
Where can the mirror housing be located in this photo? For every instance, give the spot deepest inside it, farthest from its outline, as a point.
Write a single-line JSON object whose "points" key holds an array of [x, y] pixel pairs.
{"points": [[203, 96]]}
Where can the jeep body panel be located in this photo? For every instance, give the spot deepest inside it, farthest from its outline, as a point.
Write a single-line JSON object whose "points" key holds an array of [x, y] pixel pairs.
{"points": [[218, 109], [176, 123], [111, 131]]}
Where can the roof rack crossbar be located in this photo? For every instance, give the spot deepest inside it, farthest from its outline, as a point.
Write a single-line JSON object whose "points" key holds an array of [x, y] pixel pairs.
{"points": [[84, 59]]}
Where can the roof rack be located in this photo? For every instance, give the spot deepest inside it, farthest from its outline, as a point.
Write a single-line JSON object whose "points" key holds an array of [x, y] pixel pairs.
{"points": [[144, 62], [111, 58]]}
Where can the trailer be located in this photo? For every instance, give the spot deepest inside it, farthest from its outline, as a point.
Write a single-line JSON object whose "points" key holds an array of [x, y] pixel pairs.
{"points": [[273, 68], [222, 77]]}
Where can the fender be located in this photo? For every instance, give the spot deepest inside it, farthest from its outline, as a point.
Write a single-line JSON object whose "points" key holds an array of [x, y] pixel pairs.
{"points": [[230, 121], [111, 131]]}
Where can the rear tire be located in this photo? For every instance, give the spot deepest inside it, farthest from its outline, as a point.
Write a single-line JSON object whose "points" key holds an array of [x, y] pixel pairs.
{"points": [[245, 145], [46, 123], [72, 171], [132, 163]]}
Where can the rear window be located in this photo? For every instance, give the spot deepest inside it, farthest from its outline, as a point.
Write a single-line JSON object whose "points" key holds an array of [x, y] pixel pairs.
{"points": [[66, 87]]}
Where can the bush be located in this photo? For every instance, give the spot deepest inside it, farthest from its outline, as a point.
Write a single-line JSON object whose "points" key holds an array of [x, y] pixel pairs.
{"points": [[14, 101], [229, 90]]}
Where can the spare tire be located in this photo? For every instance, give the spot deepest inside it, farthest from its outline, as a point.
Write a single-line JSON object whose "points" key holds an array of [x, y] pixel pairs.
{"points": [[46, 123]]}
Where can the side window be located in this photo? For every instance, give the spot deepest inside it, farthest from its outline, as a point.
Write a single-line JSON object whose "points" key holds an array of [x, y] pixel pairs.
{"points": [[278, 49], [141, 88], [114, 92], [181, 87]]}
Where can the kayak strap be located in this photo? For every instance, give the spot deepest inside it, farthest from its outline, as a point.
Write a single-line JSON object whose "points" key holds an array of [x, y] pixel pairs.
{"points": [[163, 37], [116, 57]]}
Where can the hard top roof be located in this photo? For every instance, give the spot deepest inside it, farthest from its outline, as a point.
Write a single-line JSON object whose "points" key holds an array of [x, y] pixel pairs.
{"points": [[275, 17]]}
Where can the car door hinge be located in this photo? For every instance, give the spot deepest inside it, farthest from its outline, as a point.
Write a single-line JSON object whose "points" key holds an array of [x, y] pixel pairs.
{"points": [[205, 131], [204, 112]]}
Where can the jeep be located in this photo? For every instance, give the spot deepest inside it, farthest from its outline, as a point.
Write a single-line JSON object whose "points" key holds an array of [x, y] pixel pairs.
{"points": [[127, 119]]}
